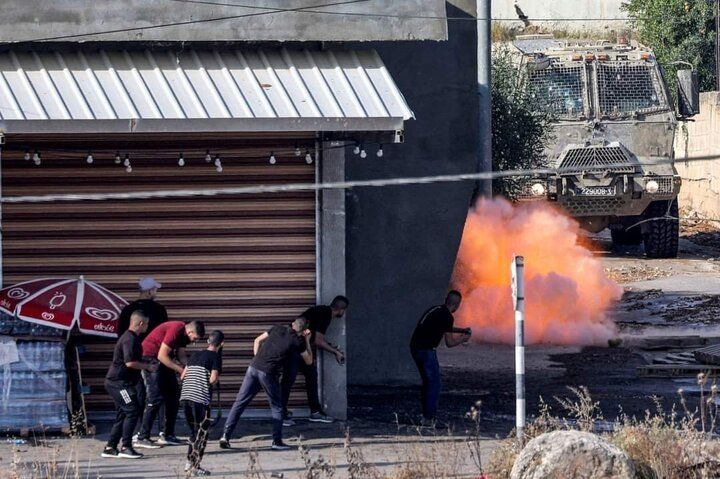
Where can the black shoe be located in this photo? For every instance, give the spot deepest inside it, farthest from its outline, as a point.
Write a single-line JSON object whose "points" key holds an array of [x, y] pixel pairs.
{"points": [[146, 444], [109, 452], [224, 442], [129, 453], [280, 446], [164, 440], [320, 417]]}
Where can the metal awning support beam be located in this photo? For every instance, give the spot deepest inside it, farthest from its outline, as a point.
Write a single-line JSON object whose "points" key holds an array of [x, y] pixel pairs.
{"points": [[201, 125]]}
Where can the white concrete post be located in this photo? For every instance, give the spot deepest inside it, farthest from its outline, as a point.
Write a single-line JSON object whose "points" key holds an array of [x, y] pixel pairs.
{"points": [[518, 285]]}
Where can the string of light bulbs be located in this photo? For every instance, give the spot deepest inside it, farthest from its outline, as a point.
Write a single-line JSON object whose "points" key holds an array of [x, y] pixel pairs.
{"points": [[215, 159]]}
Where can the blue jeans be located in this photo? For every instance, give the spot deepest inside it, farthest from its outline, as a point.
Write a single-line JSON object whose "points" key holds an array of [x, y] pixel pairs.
{"points": [[427, 363], [252, 383]]}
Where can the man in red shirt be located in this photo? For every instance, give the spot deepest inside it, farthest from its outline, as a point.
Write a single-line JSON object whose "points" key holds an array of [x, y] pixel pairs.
{"points": [[165, 346]]}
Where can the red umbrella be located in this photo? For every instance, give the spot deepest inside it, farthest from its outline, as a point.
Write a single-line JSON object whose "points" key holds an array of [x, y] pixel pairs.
{"points": [[64, 302]]}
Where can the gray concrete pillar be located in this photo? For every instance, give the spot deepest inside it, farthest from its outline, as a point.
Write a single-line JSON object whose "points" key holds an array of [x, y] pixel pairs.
{"points": [[333, 377]]}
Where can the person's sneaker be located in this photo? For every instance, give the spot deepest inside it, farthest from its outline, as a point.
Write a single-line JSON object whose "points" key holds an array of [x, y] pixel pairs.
{"points": [[129, 453], [287, 422], [224, 442], [169, 440], [109, 452], [199, 472], [320, 417], [279, 446], [146, 444]]}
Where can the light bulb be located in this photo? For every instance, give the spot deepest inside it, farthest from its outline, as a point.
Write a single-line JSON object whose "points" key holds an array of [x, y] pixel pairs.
{"points": [[356, 150], [380, 152], [127, 161], [272, 158], [181, 160], [118, 160], [90, 159], [308, 157], [363, 153], [27, 155], [36, 158], [297, 151], [217, 161], [208, 158]]}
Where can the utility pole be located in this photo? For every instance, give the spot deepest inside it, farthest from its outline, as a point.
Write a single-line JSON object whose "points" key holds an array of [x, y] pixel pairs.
{"points": [[518, 288], [484, 187]]}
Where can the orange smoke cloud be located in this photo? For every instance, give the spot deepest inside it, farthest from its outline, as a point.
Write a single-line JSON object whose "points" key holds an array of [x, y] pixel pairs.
{"points": [[567, 294]]}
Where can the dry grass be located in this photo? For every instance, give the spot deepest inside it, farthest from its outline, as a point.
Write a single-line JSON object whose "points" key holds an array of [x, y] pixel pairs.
{"points": [[675, 445]]}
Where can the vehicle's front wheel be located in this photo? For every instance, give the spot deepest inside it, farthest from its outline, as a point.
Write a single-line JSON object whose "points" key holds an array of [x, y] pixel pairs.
{"points": [[661, 235]]}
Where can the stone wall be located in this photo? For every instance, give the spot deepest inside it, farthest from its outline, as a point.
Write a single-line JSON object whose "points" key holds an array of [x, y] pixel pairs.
{"points": [[701, 177]]}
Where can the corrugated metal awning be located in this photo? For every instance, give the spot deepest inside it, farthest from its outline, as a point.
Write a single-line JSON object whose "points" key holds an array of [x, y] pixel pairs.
{"points": [[198, 90]]}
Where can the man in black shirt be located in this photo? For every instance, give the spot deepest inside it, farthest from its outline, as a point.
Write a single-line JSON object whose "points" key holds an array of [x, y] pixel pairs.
{"points": [[272, 350], [319, 317], [156, 314], [121, 381], [437, 323]]}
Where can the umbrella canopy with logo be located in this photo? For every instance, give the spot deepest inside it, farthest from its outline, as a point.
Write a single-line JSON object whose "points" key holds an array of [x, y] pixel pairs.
{"points": [[64, 302]]}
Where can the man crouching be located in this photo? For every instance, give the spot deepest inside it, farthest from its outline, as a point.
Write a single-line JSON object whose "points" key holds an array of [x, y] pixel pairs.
{"points": [[272, 350]]}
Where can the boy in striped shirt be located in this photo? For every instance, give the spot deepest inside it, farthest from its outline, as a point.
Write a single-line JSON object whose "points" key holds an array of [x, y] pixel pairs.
{"points": [[203, 369]]}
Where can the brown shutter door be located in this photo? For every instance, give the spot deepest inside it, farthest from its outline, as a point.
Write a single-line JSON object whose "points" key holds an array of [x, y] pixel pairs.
{"points": [[239, 263]]}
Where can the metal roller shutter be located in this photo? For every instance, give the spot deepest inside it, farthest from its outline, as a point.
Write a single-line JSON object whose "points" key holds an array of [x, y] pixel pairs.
{"points": [[239, 263]]}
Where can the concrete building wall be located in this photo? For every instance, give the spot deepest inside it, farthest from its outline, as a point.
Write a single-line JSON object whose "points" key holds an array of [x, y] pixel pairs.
{"points": [[257, 20], [402, 241], [701, 179], [604, 13]]}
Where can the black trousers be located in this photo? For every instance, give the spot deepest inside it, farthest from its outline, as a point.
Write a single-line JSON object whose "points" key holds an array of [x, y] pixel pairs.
{"points": [[198, 419], [127, 409], [311, 382], [161, 389]]}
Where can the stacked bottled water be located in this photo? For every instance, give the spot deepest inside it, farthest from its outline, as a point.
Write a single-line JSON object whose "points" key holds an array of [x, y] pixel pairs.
{"points": [[9, 325], [33, 390]]}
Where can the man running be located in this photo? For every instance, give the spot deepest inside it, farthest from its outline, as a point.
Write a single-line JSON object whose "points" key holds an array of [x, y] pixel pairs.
{"points": [[120, 382], [319, 318], [166, 342], [203, 369], [272, 351], [437, 323]]}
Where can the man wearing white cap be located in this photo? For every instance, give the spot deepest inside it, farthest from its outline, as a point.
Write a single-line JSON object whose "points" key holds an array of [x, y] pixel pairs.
{"points": [[146, 303]]}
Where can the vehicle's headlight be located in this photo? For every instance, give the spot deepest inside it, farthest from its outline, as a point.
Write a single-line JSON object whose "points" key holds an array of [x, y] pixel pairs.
{"points": [[652, 186], [538, 189]]}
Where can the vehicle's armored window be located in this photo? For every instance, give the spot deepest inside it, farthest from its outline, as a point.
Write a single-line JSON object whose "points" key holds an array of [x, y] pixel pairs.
{"points": [[627, 88], [560, 88]]}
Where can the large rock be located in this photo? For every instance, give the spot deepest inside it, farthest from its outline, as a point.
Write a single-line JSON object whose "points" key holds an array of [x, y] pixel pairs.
{"points": [[571, 454]]}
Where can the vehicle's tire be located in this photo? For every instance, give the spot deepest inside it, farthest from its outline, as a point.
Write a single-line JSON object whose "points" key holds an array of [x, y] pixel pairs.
{"points": [[661, 236], [623, 237]]}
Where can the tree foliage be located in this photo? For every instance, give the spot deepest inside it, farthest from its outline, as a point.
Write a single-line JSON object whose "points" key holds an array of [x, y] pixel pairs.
{"points": [[521, 127], [678, 30]]}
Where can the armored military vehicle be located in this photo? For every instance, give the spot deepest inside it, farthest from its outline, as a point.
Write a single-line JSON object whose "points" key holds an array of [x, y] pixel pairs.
{"points": [[612, 151]]}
